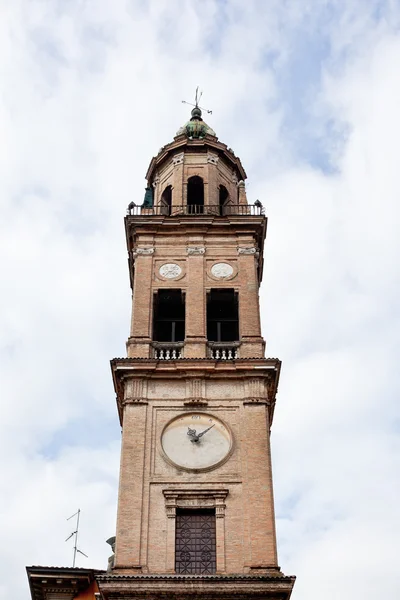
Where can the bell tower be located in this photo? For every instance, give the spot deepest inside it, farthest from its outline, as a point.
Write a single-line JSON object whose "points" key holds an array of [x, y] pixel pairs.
{"points": [[195, 394]]}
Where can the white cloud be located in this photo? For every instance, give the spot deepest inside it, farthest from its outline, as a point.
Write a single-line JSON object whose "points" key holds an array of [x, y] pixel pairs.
{"points": [[90, 92]]}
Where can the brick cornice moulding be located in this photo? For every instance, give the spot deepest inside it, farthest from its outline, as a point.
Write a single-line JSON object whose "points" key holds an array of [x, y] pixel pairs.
{"points": [[255, 401], [134, 401], [271, 583]]}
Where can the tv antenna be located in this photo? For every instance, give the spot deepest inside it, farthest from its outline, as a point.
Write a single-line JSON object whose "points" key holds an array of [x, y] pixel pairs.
{"points": [[75, 533], [197, 98]]}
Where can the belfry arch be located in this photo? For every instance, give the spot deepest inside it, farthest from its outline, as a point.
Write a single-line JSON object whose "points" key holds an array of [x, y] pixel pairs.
{"points": [[223, 198], [166, 200], [195, 194]]}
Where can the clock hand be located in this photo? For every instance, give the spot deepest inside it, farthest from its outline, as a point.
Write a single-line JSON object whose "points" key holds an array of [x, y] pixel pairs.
{"points": [[205, 431], [193, 435]]}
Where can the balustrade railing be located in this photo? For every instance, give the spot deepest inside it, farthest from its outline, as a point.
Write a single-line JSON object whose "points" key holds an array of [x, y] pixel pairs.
{"points": [[215, 350], [167, 350], [223, 350], [197, 209]]}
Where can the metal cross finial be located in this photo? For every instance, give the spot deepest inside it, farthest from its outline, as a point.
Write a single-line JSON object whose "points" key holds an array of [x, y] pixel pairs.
{"points": [[197, 98]]}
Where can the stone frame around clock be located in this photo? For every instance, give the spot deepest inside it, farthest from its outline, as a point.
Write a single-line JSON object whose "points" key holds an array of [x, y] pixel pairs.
{"points": [[196, 499]]}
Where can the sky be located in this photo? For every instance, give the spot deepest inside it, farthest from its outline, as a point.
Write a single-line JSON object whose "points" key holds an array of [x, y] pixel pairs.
{"points": [[308, 95]]}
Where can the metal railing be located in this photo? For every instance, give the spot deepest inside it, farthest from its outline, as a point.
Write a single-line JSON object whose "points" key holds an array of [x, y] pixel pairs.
{"points": [[167, 350], [223, 350], [197, 209]]}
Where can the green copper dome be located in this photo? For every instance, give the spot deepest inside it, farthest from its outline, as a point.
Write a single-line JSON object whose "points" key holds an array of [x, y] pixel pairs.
{"points": [[196, 128]]}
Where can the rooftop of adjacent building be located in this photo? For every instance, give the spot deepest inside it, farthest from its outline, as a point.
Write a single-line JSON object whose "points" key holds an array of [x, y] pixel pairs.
{"points": [[65, 582]]}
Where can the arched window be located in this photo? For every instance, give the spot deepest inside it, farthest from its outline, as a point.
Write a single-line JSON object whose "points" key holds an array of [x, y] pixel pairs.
{"points": [[166, 200], [195, 195], [223, 198]]}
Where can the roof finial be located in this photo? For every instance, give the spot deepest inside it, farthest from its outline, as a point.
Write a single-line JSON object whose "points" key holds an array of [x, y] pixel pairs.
{"points": [[196, 112]]}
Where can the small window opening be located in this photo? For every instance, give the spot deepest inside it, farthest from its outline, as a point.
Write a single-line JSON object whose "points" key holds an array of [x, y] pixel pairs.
{"points": [[195, 194], [222, 316], [195, 541], [223, 198], [166, 200], [169, 316]]}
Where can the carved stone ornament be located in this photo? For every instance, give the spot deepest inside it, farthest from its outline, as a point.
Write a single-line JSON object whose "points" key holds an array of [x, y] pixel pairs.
{"points": [[156, 180], [135, 391], [212, 158], [195, 392], [201, 498], [196, 250], [256, 391], [177, 159], [142, 252], [247, 251], [170, 270], [222, 270]]}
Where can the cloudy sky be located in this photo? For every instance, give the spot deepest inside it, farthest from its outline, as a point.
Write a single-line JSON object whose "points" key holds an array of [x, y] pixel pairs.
{"points": [[308, 95]]}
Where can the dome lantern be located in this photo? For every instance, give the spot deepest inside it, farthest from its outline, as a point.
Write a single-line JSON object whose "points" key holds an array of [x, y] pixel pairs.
{"points": [[196, 128]]}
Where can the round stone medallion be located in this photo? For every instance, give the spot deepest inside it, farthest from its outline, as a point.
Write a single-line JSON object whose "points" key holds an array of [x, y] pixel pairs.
{"points": [[221, 270], [170, 270]]}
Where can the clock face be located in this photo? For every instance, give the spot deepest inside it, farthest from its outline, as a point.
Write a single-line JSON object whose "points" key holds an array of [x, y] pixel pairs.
{"points": [[196, 441]]}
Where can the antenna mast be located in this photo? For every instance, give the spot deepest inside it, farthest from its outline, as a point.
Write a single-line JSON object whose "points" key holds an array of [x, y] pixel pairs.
{"points": [[75, 533]]}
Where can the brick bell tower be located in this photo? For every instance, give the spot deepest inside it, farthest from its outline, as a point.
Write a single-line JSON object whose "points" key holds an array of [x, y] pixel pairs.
{"points": [[195, 395]]}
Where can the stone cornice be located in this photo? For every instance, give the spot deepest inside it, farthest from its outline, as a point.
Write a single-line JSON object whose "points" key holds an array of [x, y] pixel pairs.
{"points": [[142, 369], [270, 584], [183, 143]]}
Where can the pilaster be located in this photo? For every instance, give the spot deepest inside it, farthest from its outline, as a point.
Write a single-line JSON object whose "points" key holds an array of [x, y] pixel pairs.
{"points": [[131, 490], [139, 341], [260, 530], [195, 338]]}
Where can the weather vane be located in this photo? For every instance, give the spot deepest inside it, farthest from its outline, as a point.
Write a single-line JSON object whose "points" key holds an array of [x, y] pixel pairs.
{"points": [[75, 533], [197, 98]]}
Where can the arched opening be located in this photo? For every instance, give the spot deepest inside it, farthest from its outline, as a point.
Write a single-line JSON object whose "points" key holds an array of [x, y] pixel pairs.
{"points": [[223, 198], [195, 195], [166, 200]]}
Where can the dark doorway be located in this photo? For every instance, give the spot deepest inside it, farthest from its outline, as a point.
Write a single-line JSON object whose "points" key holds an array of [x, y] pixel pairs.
{"points": [[169, 316], [222, 316], [195, 541], [195, 195]]}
